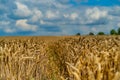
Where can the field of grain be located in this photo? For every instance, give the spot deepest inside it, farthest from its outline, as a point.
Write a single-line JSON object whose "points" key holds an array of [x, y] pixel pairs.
{"points": [[60, 58]]}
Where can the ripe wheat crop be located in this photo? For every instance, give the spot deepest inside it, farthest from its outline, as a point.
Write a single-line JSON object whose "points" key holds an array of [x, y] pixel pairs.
{"points": [[71, 58]]}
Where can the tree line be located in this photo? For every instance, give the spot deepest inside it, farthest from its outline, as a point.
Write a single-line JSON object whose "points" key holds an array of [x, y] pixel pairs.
{"points": [[112, 32]]}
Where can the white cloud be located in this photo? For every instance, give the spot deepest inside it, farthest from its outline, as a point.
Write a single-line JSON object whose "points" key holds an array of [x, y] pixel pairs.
{"points": [[47, 23], [117, 8], [51, 14], [22, 10], [73, 16], [9, 30], [61, 5], [37, 14], [115, 11], [95, 13], [66, 15], [118, 25], [42, 22], [23, 25], [44, 1], [4, 22]]}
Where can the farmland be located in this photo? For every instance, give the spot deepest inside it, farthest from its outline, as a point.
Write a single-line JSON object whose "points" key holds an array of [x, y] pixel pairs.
{"points": [[60, 58]]}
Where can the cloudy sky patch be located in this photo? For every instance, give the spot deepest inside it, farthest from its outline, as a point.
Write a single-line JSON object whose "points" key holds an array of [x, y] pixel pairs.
{"points": [[58, 17]]}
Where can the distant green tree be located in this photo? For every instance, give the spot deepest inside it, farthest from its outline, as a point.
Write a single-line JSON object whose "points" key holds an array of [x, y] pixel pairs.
{"points": [[101, 33], [113, 32], [118, 31], [91, 33], [78, 34]]}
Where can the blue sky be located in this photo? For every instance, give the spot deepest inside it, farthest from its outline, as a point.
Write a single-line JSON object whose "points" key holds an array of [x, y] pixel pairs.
{"points": [[58, 17]]}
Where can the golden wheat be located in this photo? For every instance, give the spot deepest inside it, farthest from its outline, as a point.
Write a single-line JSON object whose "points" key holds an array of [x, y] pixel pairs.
{"points": [[72, 58]]}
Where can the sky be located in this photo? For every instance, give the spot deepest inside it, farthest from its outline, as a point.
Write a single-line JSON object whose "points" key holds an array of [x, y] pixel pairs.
{"points": [[58, 17]]}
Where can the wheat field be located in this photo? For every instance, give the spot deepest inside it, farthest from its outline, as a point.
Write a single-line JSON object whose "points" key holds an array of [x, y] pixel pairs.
{"points": [[60, 58]]}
